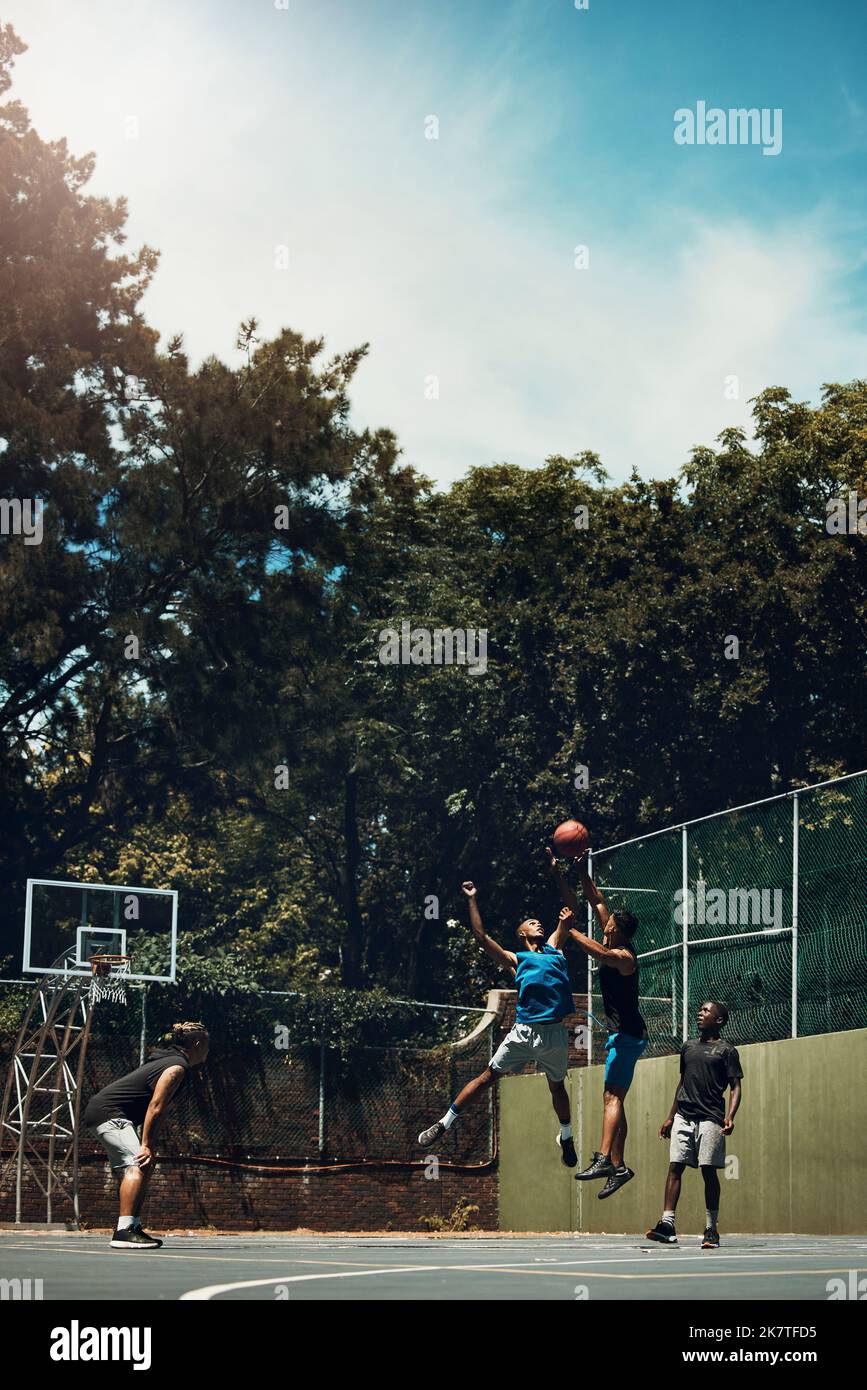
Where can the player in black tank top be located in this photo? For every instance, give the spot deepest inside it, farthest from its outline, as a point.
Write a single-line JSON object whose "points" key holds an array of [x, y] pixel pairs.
{"points": [[618, 982], [130, 1111], [129, 1096], [620, 997]]}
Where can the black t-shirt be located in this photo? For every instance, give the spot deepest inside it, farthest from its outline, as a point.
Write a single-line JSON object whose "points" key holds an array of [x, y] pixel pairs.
{"points": [[706, 1069], [129, 1096], [620, 999]]}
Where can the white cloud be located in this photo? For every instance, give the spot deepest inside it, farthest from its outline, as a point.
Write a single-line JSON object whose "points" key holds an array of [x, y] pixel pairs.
{"points": [[452, 257]]}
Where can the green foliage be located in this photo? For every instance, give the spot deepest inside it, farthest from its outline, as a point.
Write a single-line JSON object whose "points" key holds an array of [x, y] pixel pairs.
{"points": [[345, 1020], [461, 1218]]}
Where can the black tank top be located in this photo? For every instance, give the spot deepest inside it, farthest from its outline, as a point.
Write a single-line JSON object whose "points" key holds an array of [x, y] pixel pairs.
{"points": [[620, 999], [129, 1097]]}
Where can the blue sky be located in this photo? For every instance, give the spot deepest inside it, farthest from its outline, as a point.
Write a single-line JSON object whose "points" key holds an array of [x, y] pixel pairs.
{"points": [[234, 127]]}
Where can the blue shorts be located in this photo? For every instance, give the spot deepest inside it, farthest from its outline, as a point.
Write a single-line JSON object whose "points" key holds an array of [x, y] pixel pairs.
{"points": [[623, 1052]]}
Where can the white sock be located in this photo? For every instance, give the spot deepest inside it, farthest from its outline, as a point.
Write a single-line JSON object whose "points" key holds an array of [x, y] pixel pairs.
{"points": [[668, 1218], [565, 1131], [711, 1218], [125, 1222], [449, 1117]]}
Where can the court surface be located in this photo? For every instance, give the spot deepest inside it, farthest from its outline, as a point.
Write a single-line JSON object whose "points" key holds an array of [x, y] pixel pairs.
{"points": [[201, 1267]]}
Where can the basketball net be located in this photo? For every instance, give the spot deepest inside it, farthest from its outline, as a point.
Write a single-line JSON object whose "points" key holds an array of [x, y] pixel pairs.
{"points": [[108, 979]]}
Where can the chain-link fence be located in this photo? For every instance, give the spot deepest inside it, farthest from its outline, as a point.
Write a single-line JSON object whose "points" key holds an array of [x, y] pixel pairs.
{"points": [[763, 907], [261, 1098]]}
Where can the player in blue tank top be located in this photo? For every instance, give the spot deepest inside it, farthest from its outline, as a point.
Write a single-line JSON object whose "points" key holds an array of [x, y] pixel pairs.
{"points": [[539, 1035]]}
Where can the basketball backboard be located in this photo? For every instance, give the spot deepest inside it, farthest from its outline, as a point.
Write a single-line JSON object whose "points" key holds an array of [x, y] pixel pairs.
{"points": [[75, 921]]}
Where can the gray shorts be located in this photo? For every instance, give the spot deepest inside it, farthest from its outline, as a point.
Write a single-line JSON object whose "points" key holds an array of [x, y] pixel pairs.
{"points": [[697, 1143], [121, 1141], [545, 1044]]}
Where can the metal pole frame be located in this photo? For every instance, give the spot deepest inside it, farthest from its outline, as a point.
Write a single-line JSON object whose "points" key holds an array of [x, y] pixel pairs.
{"points": [[685, 926], [321, 1097], [795, 867], [41, 1046], [50, 1008], [62, 1074], [589, 970]]}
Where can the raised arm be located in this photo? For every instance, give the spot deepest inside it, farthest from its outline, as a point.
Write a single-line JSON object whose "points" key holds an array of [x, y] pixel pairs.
{"points": [[591, 892], [621, 961], [163, 1091], [506, 959], [560, 934], [568, 896]]}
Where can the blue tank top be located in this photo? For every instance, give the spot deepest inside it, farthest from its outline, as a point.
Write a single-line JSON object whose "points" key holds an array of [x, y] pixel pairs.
{"points": [[544, 992]]}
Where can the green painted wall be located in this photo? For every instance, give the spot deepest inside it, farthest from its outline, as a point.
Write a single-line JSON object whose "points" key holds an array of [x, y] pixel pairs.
{"points": [[795, 1160]]}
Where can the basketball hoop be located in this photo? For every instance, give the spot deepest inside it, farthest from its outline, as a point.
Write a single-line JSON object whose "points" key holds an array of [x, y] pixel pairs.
{"points": [[109, 977]]}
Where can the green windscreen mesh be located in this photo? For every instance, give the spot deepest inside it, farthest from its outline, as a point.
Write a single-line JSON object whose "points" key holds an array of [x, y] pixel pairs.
{"points": [[739, 914], [644, 877], [832, 911]]}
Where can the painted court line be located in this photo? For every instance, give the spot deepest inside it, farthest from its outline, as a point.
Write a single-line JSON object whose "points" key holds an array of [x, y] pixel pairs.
{"points": [[213, 1290], [203, 1295]]}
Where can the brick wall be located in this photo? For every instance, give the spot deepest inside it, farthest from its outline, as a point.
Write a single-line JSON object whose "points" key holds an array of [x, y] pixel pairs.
{"points": [[191, 1194]]}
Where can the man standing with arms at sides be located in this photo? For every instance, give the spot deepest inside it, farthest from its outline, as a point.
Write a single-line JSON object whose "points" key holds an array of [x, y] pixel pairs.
{"points": [[627, 1039], [126, 1116], [539, 1035], [698, 1121]]}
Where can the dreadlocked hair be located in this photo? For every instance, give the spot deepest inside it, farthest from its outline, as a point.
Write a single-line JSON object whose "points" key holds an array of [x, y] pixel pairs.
{"points": [[185, 1034]]}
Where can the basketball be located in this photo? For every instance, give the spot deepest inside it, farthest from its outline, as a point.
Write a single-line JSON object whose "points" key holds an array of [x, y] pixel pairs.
{"points": [[570, 839]]}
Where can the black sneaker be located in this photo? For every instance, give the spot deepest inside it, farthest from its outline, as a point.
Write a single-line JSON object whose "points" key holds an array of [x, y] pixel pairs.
{"points": [[601, 1167], [710, 1239], [134, 1238], [430, 1136], [568, 1154], [664, 1232], [618, 1178]]}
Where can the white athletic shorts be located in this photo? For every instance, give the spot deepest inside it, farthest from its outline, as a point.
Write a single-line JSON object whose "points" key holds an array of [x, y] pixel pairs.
{"points": [[697, 1143], [545, 1044], [121, 1141]]}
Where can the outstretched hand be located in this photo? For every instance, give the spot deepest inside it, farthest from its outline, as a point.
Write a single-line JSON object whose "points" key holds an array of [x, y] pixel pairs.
{"points": [[469, 888], [579, 860], [567, 917]]}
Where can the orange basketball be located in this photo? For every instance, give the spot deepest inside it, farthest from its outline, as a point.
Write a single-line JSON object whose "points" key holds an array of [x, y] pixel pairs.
{"points": [[570, 839]]}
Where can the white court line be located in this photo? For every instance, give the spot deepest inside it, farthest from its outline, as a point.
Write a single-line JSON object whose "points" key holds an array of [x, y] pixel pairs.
{"points": [[211, 1291], [204, 1295]]}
